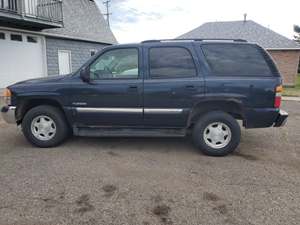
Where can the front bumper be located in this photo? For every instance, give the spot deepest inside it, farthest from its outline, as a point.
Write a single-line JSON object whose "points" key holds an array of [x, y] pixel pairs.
{"points": [[9, 114], [281, 119]]}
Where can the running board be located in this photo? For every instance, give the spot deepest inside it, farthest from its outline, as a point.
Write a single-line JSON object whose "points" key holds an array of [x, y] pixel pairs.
{"points": [[128, 132]]}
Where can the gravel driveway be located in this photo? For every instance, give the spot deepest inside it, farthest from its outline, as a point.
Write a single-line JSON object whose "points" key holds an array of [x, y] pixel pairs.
{"points": [[152, 181]]}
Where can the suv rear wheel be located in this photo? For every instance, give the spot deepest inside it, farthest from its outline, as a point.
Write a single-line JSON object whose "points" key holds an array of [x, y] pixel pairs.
{"points": [[45, 126], [216, 133]]}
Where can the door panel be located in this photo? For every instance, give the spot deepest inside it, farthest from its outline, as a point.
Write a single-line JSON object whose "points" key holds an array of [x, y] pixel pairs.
{"points": [[168, 102], [109, 103]]}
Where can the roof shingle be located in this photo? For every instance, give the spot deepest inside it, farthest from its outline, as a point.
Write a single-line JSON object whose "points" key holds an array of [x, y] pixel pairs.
{"points": [[248, 30], [83, 20]]}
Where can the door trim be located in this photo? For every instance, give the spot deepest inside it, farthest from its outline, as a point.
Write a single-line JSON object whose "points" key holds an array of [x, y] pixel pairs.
{"points": [[163, 111], [129, 110], [109, 110]]}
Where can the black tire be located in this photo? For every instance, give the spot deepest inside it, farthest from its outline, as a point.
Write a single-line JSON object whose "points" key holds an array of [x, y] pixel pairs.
{"points": [[215, 117], [62, 129]]}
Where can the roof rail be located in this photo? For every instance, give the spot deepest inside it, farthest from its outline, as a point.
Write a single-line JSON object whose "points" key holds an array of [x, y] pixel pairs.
{"points": [[194, 39]]}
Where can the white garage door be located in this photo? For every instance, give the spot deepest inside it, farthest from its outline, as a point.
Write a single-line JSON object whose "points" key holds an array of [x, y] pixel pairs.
{"points": [[21, 57]]}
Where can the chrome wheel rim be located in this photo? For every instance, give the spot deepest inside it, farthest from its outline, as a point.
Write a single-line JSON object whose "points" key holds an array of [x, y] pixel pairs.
{"points": [[217, 135], [43, 128]]}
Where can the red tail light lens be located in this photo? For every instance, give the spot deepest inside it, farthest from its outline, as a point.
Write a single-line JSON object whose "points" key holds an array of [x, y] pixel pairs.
{"points": [[278, 92]]}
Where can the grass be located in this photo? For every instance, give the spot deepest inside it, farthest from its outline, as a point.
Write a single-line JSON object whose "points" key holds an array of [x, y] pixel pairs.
{"points": [[293, 91]]}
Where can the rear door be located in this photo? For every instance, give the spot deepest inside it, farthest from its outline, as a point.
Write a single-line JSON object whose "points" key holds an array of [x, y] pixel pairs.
{"points": [[172, 82]]}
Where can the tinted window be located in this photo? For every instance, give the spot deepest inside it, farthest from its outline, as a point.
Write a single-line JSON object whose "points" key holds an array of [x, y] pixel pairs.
{"points": [[2, 36], [168, 62], [16, 37], [236, 60], [116, 64]]}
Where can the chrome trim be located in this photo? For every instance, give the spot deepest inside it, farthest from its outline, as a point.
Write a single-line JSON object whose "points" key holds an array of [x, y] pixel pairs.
{"points": [[129, 110], [79, 103], [8, 114], [163, 111], [109, 110]]}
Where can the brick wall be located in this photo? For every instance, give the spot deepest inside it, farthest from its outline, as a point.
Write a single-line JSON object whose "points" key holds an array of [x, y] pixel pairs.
{"points": [[80, 52], [287, 62]]}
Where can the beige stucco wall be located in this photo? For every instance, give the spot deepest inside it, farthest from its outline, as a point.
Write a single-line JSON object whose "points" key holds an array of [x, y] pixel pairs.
{"points": [[287, 62]]}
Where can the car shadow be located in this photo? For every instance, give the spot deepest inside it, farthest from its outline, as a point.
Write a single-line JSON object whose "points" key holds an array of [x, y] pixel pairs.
{"points": [[133, 144]]}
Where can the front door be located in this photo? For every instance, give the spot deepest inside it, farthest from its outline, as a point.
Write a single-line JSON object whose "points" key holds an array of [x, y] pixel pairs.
{"points": [[64, 62], [114, 95], [171, 85]]}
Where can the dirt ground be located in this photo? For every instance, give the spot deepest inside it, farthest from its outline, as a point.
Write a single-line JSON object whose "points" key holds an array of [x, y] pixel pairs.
{"points": [[116, 181]]}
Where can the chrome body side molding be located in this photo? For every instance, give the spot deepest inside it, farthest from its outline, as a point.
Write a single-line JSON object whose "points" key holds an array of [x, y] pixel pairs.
{"points": [[129, 110]]}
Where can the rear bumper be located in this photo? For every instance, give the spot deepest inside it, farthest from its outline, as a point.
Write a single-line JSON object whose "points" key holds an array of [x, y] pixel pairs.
{"points": [[265, 117], [8, 114], [281, 119]]}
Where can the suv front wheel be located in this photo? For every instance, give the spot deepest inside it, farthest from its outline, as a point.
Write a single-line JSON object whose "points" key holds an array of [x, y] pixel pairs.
{"points": [[216, 133], [45, 126]]}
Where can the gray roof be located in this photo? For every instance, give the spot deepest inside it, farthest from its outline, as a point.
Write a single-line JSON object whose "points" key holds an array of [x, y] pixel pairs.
{"points": [[249, 30], [83, 20]]}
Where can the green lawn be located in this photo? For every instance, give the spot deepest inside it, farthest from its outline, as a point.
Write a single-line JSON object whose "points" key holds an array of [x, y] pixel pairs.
{"points": [[293, 91]]}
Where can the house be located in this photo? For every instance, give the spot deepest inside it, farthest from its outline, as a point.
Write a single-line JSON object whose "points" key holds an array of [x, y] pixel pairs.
{"points": [[284, 51], [48, 37]]}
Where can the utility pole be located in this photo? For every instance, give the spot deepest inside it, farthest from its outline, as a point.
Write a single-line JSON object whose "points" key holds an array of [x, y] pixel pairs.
{"points": [[107, 14]]}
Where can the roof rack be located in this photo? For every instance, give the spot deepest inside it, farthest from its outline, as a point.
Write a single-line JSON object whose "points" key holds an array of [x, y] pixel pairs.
{"points": [[194, 39]]}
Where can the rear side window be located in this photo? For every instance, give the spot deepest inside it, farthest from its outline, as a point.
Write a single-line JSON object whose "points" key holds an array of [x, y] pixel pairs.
{"points": [[171, 62], [236, 60]]}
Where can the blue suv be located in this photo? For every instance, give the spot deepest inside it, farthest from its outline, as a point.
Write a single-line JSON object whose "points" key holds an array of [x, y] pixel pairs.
{"points": [[159, 88]]}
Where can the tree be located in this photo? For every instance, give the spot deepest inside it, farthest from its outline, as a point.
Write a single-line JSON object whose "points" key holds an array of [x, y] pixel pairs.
{"points": [[297, 38], [297, 31]]}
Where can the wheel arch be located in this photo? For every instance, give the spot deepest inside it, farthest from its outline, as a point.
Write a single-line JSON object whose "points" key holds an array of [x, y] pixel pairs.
{"points": [[30, 103], [232, 107]]}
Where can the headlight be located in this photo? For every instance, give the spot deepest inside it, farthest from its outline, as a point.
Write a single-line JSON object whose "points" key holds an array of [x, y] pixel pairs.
{"points": [[7, 96]]}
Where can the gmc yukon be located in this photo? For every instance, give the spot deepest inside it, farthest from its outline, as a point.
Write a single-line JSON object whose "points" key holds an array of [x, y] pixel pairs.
{"points": [[159, 88]]}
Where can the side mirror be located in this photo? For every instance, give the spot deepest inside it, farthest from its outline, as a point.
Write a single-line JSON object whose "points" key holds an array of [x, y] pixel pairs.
{"points": [[85, 74]]}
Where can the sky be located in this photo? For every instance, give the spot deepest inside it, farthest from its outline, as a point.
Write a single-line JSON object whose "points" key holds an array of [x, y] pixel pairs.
{"points": [[138, 20]]}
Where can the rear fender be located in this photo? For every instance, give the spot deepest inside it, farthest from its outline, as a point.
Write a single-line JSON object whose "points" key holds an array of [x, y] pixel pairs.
{"points": [[232, 106]]}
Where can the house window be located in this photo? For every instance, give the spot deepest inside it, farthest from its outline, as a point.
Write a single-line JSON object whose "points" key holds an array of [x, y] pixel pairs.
{"points": [[16, 37], [93, 52], [32, 39], [2, 36], [64, 62]]}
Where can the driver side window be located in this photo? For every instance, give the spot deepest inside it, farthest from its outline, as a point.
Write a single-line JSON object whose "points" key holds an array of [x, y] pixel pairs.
{"points": [[116, 64]]}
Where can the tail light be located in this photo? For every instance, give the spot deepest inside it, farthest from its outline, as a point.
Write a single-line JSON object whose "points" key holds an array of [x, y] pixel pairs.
{"points": [[278, 92]]}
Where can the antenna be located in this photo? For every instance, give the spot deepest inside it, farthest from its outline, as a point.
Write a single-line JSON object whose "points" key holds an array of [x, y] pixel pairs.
{"points": [[107, 14], [245, 17]]}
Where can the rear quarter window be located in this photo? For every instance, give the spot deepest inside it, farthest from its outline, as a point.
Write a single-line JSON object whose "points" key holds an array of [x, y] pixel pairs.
{"points": [[236, 60]]}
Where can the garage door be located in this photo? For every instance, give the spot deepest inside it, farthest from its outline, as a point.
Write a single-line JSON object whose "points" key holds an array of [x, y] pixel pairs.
{"points": [[21, 57]]}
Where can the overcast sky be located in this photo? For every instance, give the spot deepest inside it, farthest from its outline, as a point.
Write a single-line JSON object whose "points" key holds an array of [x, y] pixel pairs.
{"points": [[137, 20]]}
